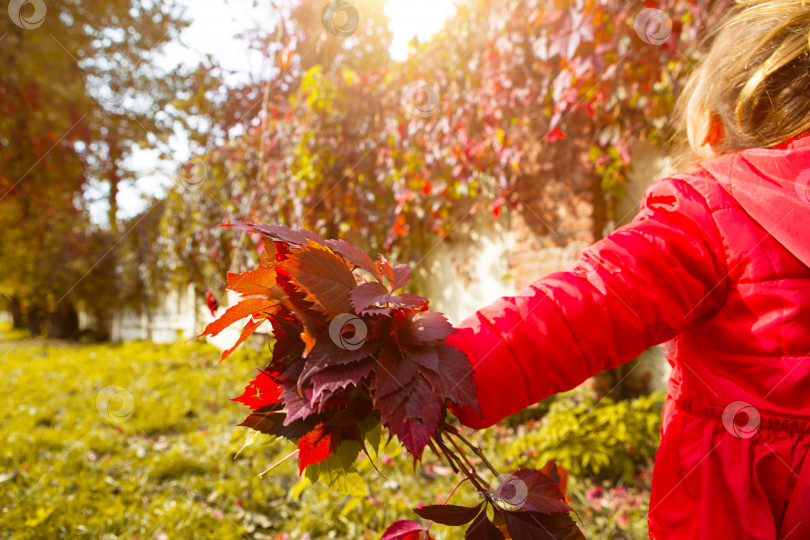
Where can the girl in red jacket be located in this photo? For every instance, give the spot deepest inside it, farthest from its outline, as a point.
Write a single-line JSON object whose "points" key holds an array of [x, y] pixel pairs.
{"points": [[717, 265]]}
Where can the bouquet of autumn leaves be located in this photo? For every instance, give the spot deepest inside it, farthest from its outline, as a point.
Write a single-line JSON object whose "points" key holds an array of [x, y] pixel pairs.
{"points": [[352, 354]]}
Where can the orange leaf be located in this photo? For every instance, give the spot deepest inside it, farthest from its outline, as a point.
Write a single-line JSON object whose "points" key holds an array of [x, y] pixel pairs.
{"points": [[559, 475], [258, 281], [309, 341], [235, 313], [247, 331], [324, 276]]}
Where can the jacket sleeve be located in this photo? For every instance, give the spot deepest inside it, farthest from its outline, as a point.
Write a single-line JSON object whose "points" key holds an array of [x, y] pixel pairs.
{"points": [[636, 288]]}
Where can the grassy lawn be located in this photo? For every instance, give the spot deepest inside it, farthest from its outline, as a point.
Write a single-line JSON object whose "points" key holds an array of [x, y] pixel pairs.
{"points": [[159, 459]]}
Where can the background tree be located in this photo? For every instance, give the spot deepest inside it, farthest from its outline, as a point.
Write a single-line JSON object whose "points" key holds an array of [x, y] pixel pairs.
{"points": [[81, 90]]}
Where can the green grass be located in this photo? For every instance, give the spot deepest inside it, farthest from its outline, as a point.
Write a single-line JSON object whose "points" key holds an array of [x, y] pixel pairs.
{"points": [[170, 468]]}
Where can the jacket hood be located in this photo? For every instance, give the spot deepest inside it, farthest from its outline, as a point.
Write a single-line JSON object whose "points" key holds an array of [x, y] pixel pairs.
{"points": [[773, 187]]}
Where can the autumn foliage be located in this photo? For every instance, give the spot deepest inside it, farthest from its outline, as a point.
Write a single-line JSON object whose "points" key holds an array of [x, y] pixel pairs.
{"points": [[350, 351], [354, 353]]}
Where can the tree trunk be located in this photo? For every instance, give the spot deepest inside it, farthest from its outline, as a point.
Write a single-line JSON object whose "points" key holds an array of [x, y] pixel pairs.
{"points": [[115, 180], [35, 319], [65, 322], [17, 315]]}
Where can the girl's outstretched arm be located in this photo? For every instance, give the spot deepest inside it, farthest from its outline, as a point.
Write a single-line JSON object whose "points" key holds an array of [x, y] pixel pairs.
{"points": [[631, 290]]}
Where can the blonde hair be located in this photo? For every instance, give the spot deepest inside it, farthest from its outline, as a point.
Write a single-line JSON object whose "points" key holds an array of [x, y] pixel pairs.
{"points": [[754, 74]]}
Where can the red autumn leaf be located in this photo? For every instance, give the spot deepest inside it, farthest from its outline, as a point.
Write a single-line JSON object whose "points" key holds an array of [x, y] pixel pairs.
{"points": [[355, 256], [296, 405], [554, 135], [412, 414], [400, 226], [425, 355], [454, 380], [267, 420], [405, 530], [559, 475], [577, 28], [448, 514], [532, 490], [432, 326], [267, 250], [258, 281], [533, 525], [281, 233], [497, 204], [402, 274], [323, 276], [261, 391], [483, 529], [385, 269], [211, 302], [249, 306], [395, 302], [394, 371], [369, 294], [335, 378], [313, 447]]}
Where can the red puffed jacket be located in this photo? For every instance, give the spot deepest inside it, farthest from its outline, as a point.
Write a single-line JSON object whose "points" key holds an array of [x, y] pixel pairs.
{"points": [[717, 265]]}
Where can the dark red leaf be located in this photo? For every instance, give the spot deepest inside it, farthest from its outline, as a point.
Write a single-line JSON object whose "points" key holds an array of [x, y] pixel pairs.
{"points": [[393, 371], [328, 354], [432, 326], [532, 490], [402, 274], [369, 294], [411, 300], [404, 530], [279, 232], [483, 529], [287, 339], [448, 514], [424, 355], [454, 379], [538, 526], [340, 377], [266, 420], [412, 414], [355, 256], [297, 407]]}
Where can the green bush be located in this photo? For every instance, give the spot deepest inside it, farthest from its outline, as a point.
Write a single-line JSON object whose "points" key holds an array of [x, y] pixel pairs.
{"points": [[604, 438]]}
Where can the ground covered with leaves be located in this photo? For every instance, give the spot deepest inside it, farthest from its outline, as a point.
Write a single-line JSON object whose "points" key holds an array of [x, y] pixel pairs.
{"points": [[159, 457]]}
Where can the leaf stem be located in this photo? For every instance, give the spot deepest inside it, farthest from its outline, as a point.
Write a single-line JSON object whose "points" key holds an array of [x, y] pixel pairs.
{"points": [[279, 462], [476, 450], [439, 455], [466, 459], [471, 473]]}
